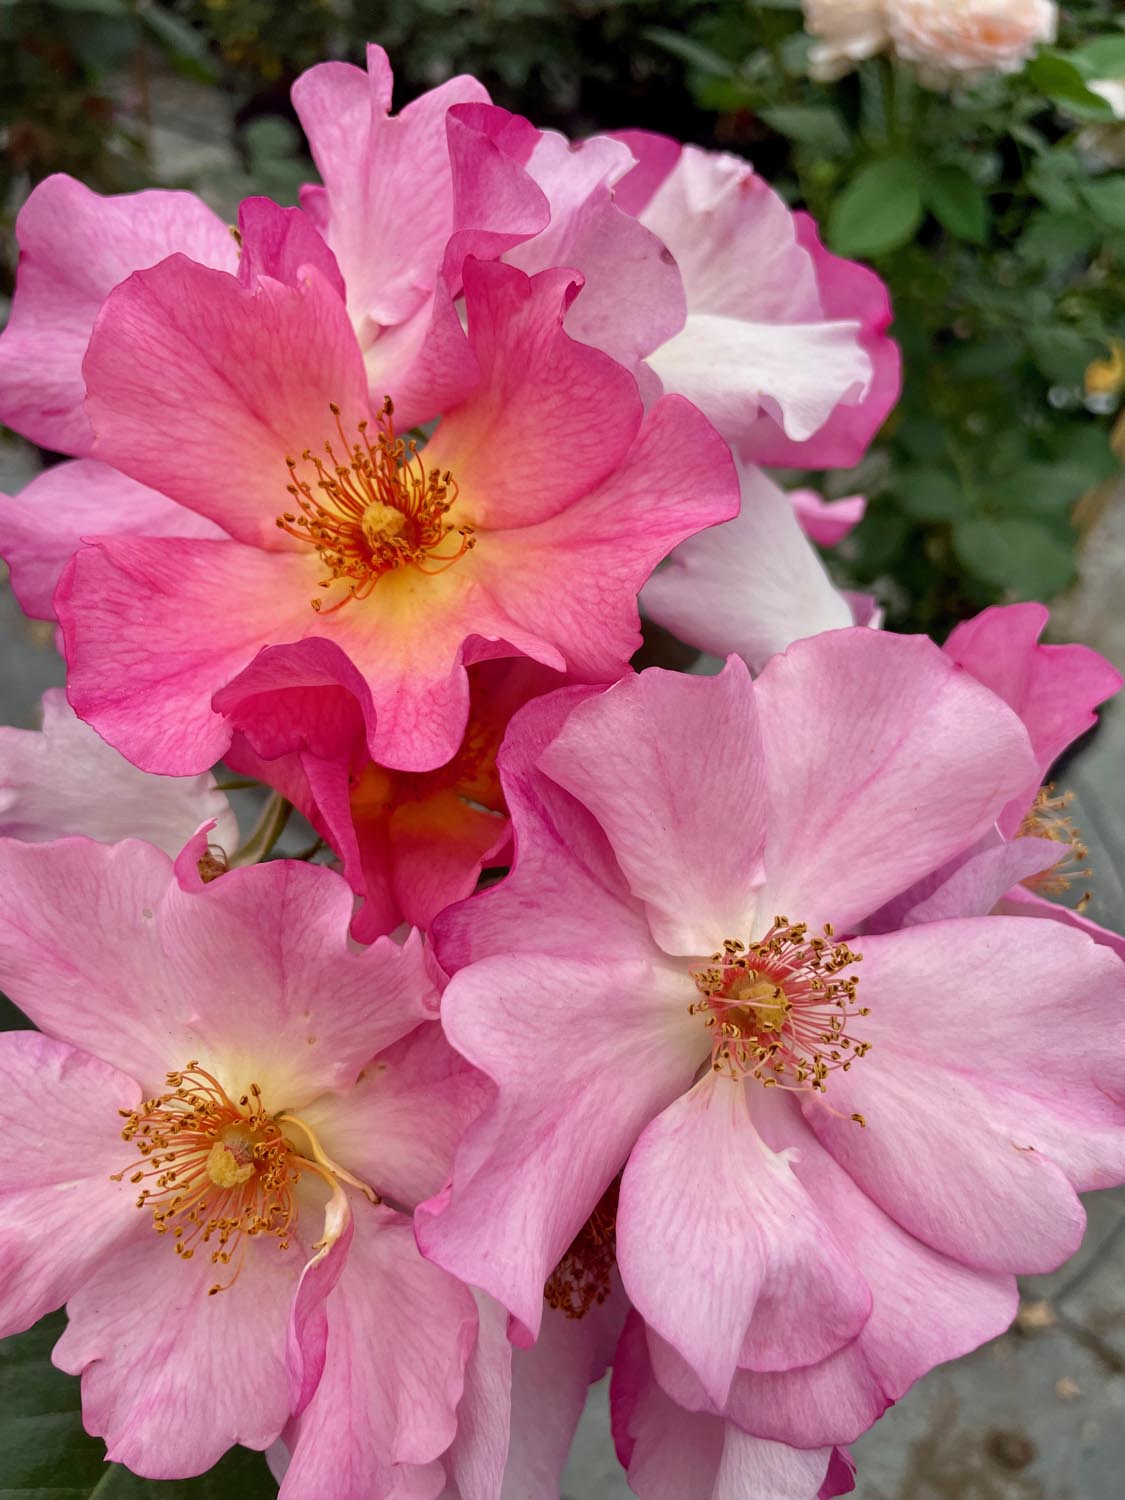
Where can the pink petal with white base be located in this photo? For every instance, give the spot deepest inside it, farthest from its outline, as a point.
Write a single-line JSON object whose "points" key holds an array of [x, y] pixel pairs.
{"points": [[44, 525], [400, 1123], [1019, 1113], [673, 1454], [533, 1168], [75, 247], [843, 835], [851, 291], [721, 1283], [65, 780], [654, 157], [102, 948], [165, 1375], [60, 1215], [202, 388], [1054, 689], [715, 849], [399, 1334], [751, 586], [388, 193]]}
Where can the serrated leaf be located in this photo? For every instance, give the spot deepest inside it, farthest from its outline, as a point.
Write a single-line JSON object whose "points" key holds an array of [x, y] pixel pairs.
{"points": [[879, 211], [48, 1456], [957, 202], [1015, 554]]}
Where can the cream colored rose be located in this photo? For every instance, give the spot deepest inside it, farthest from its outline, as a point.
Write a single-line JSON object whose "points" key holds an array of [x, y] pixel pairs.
{"points": [[846, 32], [951, 38]]}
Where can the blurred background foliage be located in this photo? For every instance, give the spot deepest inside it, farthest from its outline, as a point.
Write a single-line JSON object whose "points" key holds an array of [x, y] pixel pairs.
{"points": [[996, 213]]}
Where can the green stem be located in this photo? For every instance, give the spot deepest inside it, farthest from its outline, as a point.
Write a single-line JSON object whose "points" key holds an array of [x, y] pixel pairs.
{"points": [[268, 829]]}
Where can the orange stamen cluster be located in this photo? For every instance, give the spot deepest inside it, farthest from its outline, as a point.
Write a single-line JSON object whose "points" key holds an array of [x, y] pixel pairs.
{"points": [[581, 1280], [216, 1172], [373, 506], [1047, 820], [779, 1008]]}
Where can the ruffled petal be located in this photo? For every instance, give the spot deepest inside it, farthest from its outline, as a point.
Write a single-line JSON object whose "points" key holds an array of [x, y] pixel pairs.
{"points": [[61, 1215]]}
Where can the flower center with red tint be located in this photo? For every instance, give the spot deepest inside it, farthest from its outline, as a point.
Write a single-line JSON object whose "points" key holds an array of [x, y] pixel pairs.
{"points": [[1047, 820], [216, 1171], [371, 506], [582, 1279], [779, 1009]]}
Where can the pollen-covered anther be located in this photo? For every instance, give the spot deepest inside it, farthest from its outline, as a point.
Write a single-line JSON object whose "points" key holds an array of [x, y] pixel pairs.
{"points": [[583, 1277], [371, 506], [779, 1009], [213, 1171], [1047, 819]]}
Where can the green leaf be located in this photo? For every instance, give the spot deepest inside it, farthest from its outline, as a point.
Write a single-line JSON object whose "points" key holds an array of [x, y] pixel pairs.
{"points": [[694, 53], [184, 46], [1054, 179], [1105, 196], [879, 211], [1104, 57], [816, 125], [1054, 239], [1064, 83], [1015, 554], [1061, 353], [957, 202], [48, 1456], [931, 495]]}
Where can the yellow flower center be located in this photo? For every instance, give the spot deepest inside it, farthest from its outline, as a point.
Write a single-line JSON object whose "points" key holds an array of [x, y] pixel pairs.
{"points": [[778, 1009], [371, 506], [216, 1171], [1047, 820]]}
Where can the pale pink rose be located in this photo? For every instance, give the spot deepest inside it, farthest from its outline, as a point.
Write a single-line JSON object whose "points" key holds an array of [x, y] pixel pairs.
{"points": [[62, 779], [955, 38], [784, 346], [846, 32], [287, 1079], [659, 954]]}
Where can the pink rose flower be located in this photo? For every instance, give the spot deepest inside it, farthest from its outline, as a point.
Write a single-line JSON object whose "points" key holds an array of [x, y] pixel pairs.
{"points": [[409, 842], [525, 526], [675, 977], [784, 345], [207, 1135], [1035, 853]]}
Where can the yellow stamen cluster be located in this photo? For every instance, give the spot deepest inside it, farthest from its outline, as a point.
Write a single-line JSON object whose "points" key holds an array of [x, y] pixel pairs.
{"points": [[1047, 820], [582, 1279], [215, 1171], [372, 506], [779, 1008]]}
